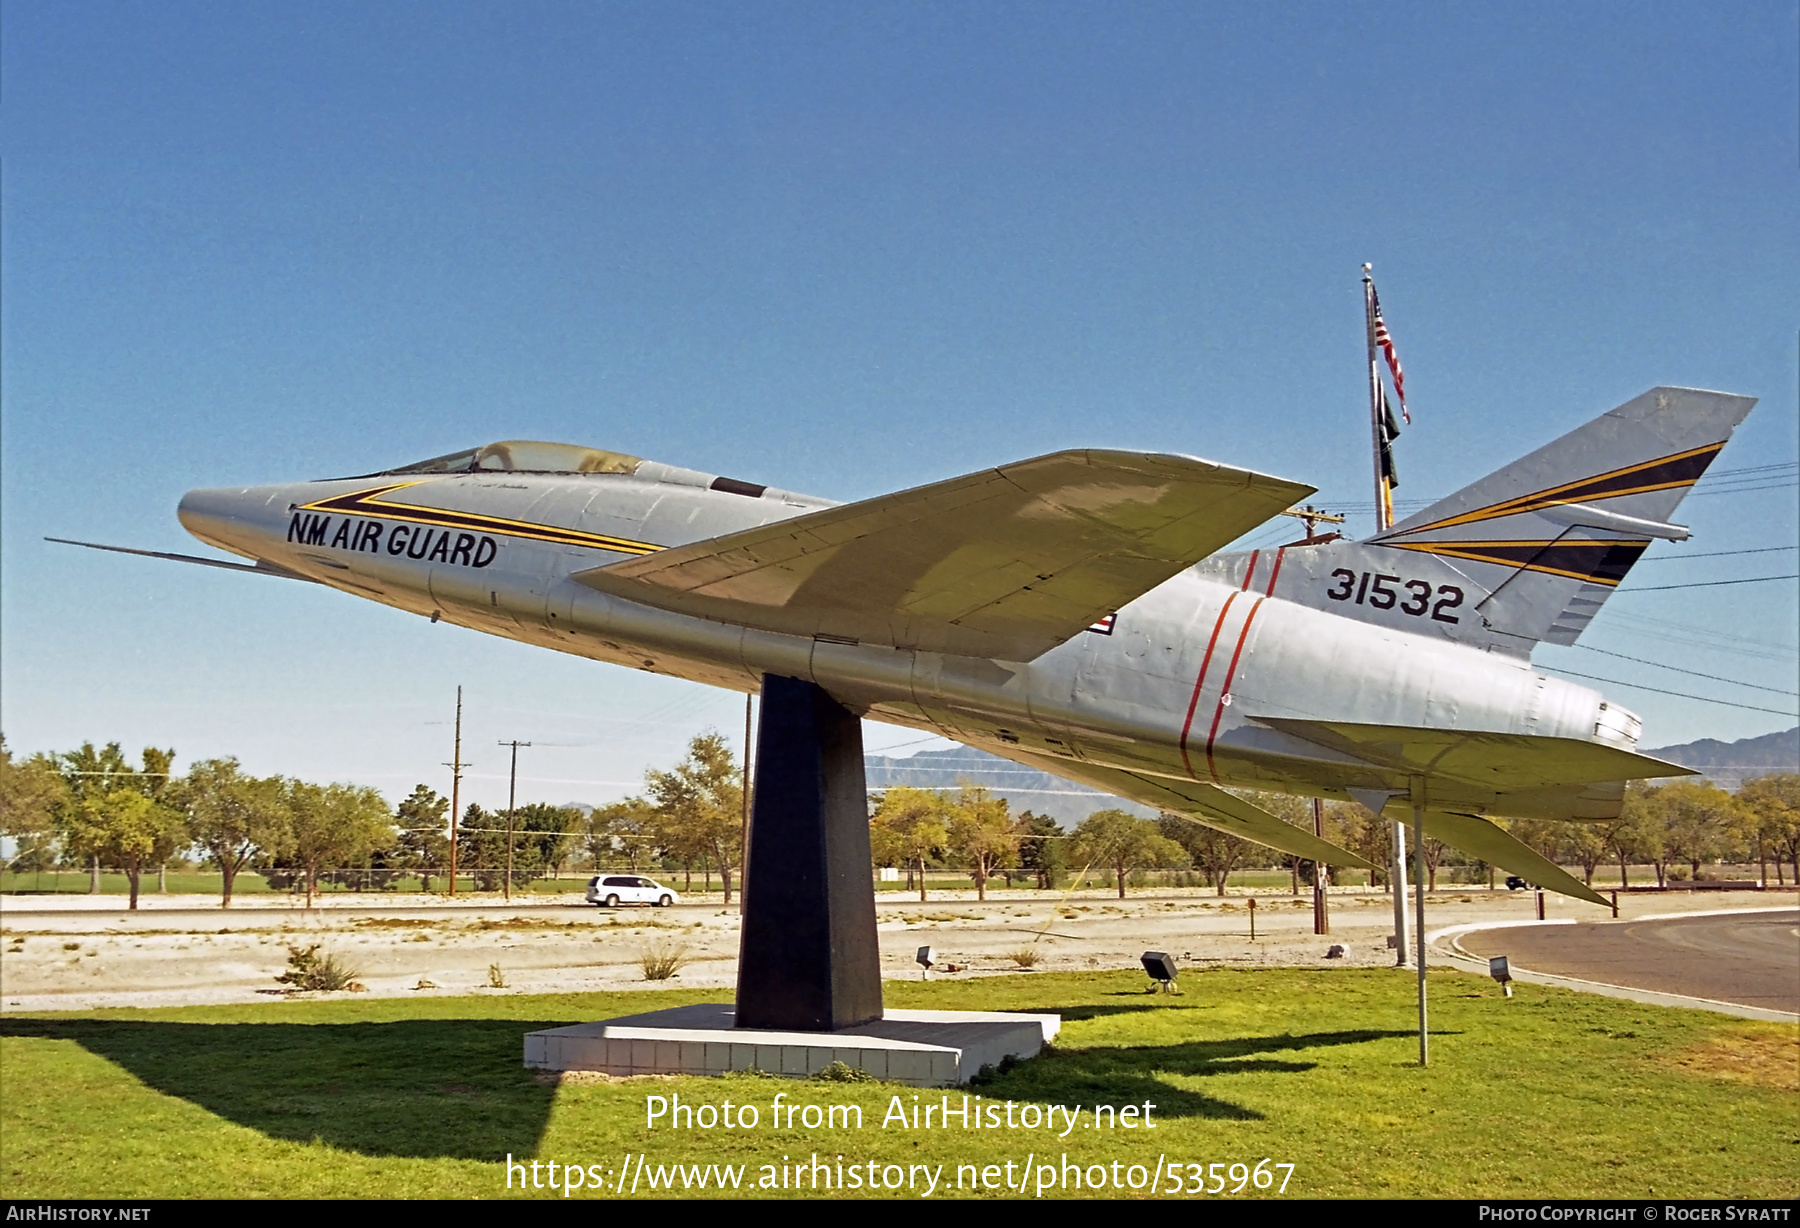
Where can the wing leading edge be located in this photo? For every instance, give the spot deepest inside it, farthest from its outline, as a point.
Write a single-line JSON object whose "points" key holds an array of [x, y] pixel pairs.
{"points": [[1005, 563]]}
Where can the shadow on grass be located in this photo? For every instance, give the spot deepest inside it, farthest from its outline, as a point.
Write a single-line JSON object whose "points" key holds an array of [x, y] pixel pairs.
{"points": [[450, 1088], [1132, 1074], [1162, 1002]]}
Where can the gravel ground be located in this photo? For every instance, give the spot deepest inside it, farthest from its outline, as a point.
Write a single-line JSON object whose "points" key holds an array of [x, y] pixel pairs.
{"points": [[83, 952]]}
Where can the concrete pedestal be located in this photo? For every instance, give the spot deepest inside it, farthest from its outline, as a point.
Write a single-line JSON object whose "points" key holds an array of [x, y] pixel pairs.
{"points": [[809, 964], [921, 1048]]}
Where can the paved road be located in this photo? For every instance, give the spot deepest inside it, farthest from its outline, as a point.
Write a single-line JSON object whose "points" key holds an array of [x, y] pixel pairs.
{"points": [[1748, 958], [201, 920]]}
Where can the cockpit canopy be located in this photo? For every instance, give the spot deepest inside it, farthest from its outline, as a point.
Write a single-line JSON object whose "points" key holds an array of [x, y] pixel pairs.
{"points": [[527, 456]]}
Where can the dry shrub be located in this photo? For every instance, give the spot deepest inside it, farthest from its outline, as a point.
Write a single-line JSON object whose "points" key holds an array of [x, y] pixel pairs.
{"points": [[496, 978], [307, 969], [662, 962], [1025, 957]]}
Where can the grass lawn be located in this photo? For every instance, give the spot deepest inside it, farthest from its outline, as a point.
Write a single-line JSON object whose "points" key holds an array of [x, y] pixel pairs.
{"points": [[1551, 1094]]}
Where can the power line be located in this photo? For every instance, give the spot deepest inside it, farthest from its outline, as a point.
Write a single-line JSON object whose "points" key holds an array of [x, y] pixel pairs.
{"points": [[1715, 554], [1694, 672], [1736, 480], [1725, 473], [1663, 588], [1705, 699], [1743, 490], [1711, 637]]}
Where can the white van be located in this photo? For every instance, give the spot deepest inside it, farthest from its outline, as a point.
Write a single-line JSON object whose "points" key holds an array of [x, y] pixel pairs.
{"points": [[612, 890]]}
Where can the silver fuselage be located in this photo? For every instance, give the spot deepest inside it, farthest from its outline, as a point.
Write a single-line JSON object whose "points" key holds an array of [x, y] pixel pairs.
{"points": [[1182, 683]]}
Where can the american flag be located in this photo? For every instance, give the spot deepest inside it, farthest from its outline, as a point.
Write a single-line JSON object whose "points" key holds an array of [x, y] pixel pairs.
{"points": [[1386, 342]]}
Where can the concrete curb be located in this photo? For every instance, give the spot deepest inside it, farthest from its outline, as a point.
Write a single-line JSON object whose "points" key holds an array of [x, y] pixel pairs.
{"points": [[1454, 956]]}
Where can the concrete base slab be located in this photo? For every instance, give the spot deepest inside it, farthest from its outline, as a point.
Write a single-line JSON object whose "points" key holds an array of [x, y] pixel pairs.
{"points": [[921, 1048]]}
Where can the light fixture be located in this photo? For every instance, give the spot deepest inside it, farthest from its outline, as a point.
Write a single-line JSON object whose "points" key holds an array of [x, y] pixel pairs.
{"points": [[1161, 967]]}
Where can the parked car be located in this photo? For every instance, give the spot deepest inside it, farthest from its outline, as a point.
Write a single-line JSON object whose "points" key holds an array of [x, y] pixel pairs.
{"points": [[612, 890], [1515, 883]]}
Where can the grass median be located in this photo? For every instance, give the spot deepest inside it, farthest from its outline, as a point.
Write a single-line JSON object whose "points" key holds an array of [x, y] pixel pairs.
{"points": [[1550, 1094]]}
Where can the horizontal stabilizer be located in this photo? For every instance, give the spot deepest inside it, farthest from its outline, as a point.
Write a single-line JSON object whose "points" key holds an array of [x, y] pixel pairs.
{"points": [[1005, 563], [1482, 839], [1496, 762], [1205, 804]]}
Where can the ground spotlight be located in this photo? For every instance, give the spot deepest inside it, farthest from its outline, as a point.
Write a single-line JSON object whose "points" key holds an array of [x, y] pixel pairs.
{"points": [[926, 957], [1498, 969], [1161, 967]]}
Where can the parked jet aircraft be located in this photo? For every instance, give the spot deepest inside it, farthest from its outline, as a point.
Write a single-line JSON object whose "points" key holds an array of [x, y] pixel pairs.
{"points": [[1072, 612]]}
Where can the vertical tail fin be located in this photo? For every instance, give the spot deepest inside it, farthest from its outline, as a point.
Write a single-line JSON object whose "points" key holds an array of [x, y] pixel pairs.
{"points": [[1551, 535]]}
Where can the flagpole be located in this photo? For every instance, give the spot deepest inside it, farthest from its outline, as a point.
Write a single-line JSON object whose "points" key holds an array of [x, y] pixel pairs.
{"points": [[1384, 517], [1384, 520]]}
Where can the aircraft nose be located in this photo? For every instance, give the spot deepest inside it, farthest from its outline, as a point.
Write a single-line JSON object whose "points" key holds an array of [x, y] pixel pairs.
{"points": [[230, 519]]}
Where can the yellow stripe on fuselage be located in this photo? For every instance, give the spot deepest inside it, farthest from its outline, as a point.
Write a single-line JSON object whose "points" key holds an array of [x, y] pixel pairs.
{"points": [[370, 504]]}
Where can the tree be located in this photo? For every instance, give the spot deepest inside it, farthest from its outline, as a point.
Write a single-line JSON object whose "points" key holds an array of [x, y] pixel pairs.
{"points": [[909, 828], [700, 806], [127, 829], [424, 839], [982, 834], [1369, 836], [87, 772], [625, 829], [1125, 843], [1772, 806], [1698, 820], [1640, 834], [542, 837], [230, 815], [1621, 837], [1296, 811], [1214, 851], [31, 795], [331, 826], [481, 846], [1588, 844], [1041, 846], [85, 818]]}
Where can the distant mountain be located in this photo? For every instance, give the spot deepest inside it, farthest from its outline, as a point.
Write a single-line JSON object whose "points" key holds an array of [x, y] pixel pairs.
{"points": [[1023, 788], [1730, 764]]}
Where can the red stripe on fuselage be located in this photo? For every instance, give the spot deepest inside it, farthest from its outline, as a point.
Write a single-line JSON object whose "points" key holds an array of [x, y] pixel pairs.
{"points": [[1275, 574], [1225, 691], [1205, 663], [1250, 571]]}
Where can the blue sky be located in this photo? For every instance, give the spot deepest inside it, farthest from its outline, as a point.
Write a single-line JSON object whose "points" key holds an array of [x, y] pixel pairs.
{"points": [[840, 248]]}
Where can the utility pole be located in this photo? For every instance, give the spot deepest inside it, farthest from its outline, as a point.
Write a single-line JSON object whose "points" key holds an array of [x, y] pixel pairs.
{"points": [[744, 822], [1311, 516], [1321, 918], [512, 785], [456, 766]]}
